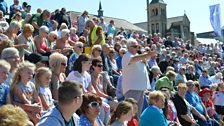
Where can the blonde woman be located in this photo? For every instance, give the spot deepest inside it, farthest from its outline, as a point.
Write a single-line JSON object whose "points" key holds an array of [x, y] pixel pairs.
{"points": [[26, 39], [23, 91], [58, 64], [96, 51]]}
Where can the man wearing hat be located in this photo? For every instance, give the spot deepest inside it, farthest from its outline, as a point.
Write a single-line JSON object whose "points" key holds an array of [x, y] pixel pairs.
{"points": [[193, 98]]}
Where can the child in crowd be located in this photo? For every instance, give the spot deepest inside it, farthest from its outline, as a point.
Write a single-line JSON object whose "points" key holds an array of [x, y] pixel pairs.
{"points": [[42, 81], [4, 88], [122, 114], [133, 121], [218, 100], [23, 91]]}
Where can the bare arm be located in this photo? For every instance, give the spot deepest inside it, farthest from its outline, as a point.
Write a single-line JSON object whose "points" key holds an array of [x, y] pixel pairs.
{"points": [[141, 57], [188, 118], [196, 113], [44, 103], [35, 25], [17, 91]]}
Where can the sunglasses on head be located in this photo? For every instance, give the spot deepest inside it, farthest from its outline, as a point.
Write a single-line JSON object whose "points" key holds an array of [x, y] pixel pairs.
{"points": [[94, 104]]}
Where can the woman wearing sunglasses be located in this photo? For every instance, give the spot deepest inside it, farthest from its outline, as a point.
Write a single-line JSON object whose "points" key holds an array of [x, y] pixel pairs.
{"points": [[79, 72], [90, 110]]}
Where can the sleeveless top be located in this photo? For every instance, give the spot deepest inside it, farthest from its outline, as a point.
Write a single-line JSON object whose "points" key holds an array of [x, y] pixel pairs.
{"points": [[43, 45], [27, 90]]}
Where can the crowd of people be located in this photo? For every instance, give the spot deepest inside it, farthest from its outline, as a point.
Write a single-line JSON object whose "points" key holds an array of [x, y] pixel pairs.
{"points": [[84, 72]]}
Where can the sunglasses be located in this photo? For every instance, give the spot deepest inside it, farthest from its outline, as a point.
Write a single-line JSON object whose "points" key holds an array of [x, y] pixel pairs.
{"points": [[99, 65], [123, 52], [64, 64], [112, 52], [135, 46], [80, 47], [99, 50], [94, 104], [55, 38]]}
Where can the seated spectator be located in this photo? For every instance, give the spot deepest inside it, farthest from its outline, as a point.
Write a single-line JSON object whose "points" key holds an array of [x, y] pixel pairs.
{"points": [[204, 80], [218, 97], [122, 51], [25, 39], [184, 109], [80, 73], [73, 35], [78, 50], [166, 81], [133, 121], [3, 23], [13, 116], [153, 115], [42, 81], [12, 31], [96, 51], [41, 41], [169, 109], [90, 110], [154, 76], [217, 78], [181, 78], [18, 18], [122, 114], [190, 74], [206, 98], [69, 100], [195, 101], [64, 43], [58, 64], [114, 67], [23, 91], [51, 41], [4, 88]]}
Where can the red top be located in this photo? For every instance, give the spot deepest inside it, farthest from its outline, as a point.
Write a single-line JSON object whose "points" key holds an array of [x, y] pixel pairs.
{"points": [[133, 122]]}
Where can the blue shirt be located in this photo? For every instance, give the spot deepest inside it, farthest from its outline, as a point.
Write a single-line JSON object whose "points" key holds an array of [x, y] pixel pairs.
{"points": [[152, 116], [85, 122], [119, 62], [152, 62], [4, 90], [195, 101], [204, 81], [111, 30]]}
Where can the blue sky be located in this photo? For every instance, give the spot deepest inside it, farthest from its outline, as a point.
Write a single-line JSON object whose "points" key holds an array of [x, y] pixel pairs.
{"points": [[135, 10]]}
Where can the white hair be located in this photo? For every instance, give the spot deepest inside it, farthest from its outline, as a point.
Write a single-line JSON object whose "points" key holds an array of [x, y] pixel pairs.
{"points": [[52, 33], [43, 29], [9, 52], [13, 25], [64, 32], [131, 42]]}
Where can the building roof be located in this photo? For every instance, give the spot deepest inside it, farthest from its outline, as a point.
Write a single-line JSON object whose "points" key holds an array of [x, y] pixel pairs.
{"points": [[157, 1], [172, 20], [118, 22]]}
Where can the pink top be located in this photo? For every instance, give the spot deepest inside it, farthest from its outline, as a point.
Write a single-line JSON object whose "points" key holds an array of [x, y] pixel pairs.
{"points": [[43, 45]]}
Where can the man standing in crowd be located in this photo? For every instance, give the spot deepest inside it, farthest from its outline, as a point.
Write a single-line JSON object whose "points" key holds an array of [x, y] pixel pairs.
{"points": [[61, 17], [96, 35], [38, 20], [135, 76], [69, 100], [111, 28]]}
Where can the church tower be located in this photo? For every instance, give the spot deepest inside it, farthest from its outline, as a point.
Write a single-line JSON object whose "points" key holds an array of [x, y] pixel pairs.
{"points": [[100, 11], [157, 18]]}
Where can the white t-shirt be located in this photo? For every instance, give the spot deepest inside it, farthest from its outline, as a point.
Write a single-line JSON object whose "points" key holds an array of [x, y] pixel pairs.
{"points": [[135, 76], [219, 98], [84, 80]]}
